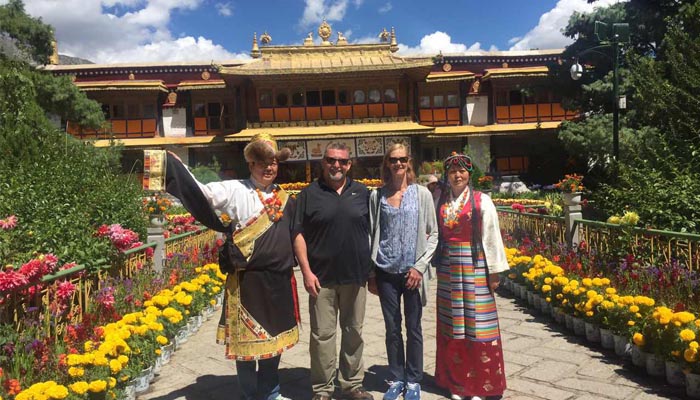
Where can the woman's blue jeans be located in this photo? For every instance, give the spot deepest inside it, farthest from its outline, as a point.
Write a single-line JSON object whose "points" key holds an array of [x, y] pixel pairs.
{"points": [[405, 366], [261, 384]]}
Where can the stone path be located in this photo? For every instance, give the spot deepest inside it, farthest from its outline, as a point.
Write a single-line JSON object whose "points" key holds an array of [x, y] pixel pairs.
{"points": [[543, 361]]}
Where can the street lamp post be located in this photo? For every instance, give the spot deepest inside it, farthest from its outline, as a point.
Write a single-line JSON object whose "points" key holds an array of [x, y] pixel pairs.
{"points": [[614, 34]]}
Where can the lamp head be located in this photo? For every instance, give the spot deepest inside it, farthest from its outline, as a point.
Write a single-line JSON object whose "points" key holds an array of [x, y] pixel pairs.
{"points": [[576, 71]]}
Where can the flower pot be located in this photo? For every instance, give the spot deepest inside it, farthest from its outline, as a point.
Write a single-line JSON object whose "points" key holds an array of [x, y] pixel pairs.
{"points": [[209, 312], [655, 365], [639, 357], [579, 327], [181, 337], [130, 390], [157, 221], [606, 339], [530, 298], [559, 316], [569, 321], [592, 332], [692, 385], [166, 352], [219, 300], [571, 199], [545, 307], [553, 311], [142, 381], [623, 347], [674, 373], [522, 291]]}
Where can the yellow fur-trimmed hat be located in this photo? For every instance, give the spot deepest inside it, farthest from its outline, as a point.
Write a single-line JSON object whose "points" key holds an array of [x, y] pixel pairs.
{"points": [[263, 147]]}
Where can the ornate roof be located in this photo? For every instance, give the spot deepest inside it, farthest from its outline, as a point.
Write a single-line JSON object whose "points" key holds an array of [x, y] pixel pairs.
{"points": [[286, 60], [494, 73], [156, 85]]}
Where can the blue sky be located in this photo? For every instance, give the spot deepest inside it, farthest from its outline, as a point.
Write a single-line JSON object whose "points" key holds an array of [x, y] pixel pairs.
{"points": [[113, 31]]}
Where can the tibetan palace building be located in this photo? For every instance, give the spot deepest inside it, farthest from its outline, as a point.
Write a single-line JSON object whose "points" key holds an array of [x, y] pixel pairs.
{"points": [[501, 104]]}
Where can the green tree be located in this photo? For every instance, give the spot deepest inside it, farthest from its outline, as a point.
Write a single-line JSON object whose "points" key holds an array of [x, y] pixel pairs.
{"points": [[59, 188]]}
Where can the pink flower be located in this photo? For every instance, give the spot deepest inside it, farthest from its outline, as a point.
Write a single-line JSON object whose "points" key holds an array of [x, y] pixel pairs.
{"points": [[11, 279], [32, 270], [8, 223], [68, 266], [65, 290]]}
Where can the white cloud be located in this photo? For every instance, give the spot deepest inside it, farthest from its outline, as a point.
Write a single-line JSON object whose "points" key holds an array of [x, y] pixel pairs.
{"points": [[385, 8], [140, 34], [225, 9], [547, 34], [332, 10], [435, 43]]}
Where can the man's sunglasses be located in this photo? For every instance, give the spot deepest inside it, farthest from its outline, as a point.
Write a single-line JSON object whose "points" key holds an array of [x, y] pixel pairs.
{"points": [[394, 160], [341, 161]]}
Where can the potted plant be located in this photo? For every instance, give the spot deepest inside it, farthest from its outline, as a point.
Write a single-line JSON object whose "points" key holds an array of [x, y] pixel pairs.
{"points": [[571, 187], [155, 207], [485, 183]]}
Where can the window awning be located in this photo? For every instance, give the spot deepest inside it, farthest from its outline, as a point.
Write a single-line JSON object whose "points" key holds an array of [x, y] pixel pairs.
{"points": [[489, 130], [158, 141], [199, 85], [335, 131], [495, 73], [156, 85], [441, 76]]}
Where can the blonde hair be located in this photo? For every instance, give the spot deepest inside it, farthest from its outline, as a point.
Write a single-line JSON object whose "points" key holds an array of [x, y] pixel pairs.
{"points": [[386, 172]]}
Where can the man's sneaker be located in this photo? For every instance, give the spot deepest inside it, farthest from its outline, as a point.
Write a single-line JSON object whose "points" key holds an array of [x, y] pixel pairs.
{"points": [[456, 397], [412, 392], [395, 391]]}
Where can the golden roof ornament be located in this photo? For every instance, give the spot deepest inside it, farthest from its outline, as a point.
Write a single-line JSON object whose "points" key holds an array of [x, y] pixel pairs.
{"points": [[393, 46], [265, 38], [384, 35], [325, 31], [309, 40], [54, 59], [255, 52], [342, 41]]}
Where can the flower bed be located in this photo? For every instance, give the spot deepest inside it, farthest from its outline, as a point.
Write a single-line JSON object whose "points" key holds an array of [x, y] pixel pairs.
{"points": [[103, 360], [663, 333]]}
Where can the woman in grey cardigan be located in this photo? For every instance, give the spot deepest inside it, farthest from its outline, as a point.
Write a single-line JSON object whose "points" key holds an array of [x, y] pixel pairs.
{"points": [[404, 236]]}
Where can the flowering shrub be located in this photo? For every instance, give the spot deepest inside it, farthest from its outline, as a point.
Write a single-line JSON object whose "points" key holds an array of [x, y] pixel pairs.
{"points": [[484, 182], [571, 183], [122, 238]]}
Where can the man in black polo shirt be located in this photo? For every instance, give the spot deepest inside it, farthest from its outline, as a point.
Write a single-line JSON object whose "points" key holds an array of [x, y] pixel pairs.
{"points": [[332, 247]]}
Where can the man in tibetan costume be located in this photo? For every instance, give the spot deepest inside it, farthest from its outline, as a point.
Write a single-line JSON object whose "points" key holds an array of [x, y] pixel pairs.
{"points": [[260, 316]]}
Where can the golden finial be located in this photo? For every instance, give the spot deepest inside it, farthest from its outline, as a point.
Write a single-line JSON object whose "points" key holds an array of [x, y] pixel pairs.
{"points": [[255, 52], [265, 38], [325, 31], [53, 59], [384, 35], [393, 46], [309, 40], [342, 41]]}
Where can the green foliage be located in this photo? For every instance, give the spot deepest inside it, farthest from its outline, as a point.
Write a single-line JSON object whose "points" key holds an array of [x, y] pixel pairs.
{"points": [[30, 34], [207, 173], [60, 189]]}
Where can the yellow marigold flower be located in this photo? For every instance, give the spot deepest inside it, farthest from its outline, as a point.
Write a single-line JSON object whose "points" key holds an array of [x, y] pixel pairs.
{"points": [[630, 323], [546, 288], [548, 280], [587, 282], [605, 281], [58, 392], [690, 355], [694, 345], [79, 387], [162, 340], [684, 317], [634, 309], [610, 291], [589, 313], [74, 359], [97, 386], [112, 382], [638, 339], [115, 366], [76, 372], [687, 335]]}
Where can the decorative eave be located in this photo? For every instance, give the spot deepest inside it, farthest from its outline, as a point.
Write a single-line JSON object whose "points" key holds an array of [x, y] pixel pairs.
{"points": [[154, 85], [303, 60], [91, 70], [500, 57], [496, 73], [441, 76], [494, 129], [335, 131], [157, 141], [200, 85]]}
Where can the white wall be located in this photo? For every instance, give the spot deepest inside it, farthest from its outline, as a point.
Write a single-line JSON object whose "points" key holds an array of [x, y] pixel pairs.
{"points": [[174, 122], [477, 110]]}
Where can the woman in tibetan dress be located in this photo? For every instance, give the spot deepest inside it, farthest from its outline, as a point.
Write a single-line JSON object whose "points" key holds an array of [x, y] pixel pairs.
{"points": [[469, 359]]}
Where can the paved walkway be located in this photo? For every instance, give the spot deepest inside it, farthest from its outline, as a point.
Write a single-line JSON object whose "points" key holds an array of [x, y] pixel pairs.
{"points": [[543, 361]]}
